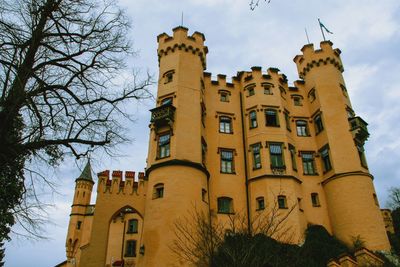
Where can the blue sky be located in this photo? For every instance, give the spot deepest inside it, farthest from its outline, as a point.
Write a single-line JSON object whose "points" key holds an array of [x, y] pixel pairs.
{"points": [[367, 32]]}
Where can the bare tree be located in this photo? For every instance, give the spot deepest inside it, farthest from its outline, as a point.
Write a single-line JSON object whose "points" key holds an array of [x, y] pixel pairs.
{"points": [[199, 235], [59, 89], [254, 3], [394, 198]]}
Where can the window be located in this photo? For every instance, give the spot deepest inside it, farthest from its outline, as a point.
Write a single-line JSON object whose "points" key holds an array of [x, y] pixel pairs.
{"points": [[301, 127], [311, 95], [363, 160], [251, 91], [350, 113], [224, 97], [300, 203], [326, 162], [276, 156], [287, 121], [292, 151], [204, 195], [253, 119], [225, 124], [168, 76], [203, 150], [130, 249], [260, 203], [164, 145], [225, 205], [166, 101], [308, 163], [78, 225], [297, 101], [256, 156], [282, 204], [227, 161], [267, 89], [315, 200], [158, 191], [132, 226], [318, 124], [344, 90], [271, 117]]}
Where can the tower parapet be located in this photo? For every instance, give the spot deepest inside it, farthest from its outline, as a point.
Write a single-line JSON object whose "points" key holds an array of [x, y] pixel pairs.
{"points": [[314, 58], [181, 41], [120, 184]]}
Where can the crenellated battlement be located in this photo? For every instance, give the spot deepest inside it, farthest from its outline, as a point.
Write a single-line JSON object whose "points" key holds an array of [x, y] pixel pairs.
{"points": [[314, 58], [118, 183], [182, 41]]}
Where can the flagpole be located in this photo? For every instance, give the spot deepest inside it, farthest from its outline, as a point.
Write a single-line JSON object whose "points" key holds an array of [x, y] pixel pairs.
{"points": [[320, 26], [308, 39]]}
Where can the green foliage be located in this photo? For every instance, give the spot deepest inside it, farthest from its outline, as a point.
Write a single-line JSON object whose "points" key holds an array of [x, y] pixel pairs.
{"points": [[242, 250], [394, 239], [319, 247]]}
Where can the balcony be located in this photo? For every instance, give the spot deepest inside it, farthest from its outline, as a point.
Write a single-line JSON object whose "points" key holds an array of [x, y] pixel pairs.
{"points": [[358, 128], [278, 170], [162, 115]]}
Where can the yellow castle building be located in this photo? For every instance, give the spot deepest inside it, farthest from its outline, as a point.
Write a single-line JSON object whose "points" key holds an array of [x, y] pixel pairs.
{"points": [[239, 147]]}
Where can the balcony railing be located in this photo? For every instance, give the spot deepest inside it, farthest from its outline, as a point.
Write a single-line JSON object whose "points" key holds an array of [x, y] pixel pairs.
{"points": [[278, 170], [359, 129], [162, 115]]}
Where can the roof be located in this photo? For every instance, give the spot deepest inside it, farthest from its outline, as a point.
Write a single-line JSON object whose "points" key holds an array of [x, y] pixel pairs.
{"points": [[86, 173]]}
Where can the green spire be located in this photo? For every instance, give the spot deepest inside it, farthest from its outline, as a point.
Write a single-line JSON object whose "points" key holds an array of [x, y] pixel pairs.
{"points": [[86, 173]]}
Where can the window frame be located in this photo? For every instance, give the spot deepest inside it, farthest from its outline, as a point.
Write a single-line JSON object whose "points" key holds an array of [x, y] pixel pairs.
{"points": [[309, 162], [274, 156], [281, 198], [260, 201], [318, 124], [132, 251], [168, 76], [315, 200], [224, 161], [226, 123], [135, 229], [267, 88], [275, 119], [170, 100], [158, 191], [292, 151], [253, 119], [256, 155], [221, 205], [302, 130], [325, 158], [163, 147]]}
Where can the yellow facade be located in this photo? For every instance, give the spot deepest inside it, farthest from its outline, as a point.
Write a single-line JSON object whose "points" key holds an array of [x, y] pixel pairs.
{"points": [[246, 146]]}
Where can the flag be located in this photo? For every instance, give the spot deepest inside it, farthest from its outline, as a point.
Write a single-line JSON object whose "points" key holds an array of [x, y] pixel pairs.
{"points": [[323, 26]]}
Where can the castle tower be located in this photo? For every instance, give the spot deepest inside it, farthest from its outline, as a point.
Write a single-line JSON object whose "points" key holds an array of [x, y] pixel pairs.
{"points": [[177, 179], [351, 199], [83, 191]]}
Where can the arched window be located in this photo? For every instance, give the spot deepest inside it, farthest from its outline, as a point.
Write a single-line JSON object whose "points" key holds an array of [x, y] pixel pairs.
{"points": [[225, 205], [158, 191], [166, 101]]}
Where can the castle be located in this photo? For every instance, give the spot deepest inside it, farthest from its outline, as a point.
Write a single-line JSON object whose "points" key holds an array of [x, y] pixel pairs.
{"points": [[226, 148]]}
